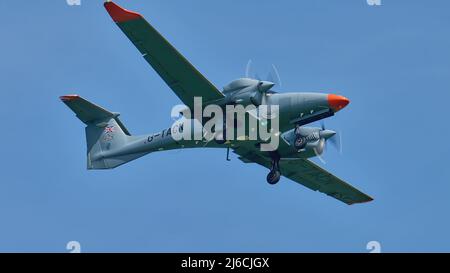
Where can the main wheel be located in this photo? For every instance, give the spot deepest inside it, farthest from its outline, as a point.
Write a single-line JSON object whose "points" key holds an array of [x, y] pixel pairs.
{"points": [[273, 177]]}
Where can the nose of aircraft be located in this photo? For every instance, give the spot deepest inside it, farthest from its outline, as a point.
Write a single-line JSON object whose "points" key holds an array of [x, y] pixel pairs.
{"points": [[337, 102]]}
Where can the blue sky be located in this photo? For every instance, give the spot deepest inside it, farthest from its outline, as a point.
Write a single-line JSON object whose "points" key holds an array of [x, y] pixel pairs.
{"points": [[392, 62]]}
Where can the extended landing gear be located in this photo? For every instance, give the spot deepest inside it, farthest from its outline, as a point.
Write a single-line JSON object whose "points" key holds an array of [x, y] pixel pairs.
{"points": [[274, 175]]}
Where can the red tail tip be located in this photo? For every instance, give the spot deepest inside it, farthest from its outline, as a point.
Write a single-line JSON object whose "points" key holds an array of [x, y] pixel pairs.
{"points": [[119, 14], [69, 97]]}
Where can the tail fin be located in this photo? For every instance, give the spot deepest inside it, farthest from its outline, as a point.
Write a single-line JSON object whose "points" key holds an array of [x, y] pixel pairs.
{"points": [[104, 133]]}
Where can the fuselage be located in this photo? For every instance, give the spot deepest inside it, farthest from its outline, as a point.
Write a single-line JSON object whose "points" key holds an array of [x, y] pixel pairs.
{"points": [[295, 110]]}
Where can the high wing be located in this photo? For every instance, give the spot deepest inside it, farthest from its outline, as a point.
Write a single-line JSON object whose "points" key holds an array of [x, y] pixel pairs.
{"points": [[308, 174], [183, 78]]}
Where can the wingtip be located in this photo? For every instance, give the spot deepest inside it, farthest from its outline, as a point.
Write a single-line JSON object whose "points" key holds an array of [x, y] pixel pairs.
{"points": [[369, 199], [69, 97], [119, 14]]}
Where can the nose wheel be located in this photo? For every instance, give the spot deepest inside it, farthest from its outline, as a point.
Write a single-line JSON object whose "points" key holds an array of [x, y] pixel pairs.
{"points": [[274, 175]]}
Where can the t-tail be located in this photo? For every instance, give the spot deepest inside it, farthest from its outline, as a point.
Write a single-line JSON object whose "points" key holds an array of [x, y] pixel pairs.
{"points": [[106, 136]]}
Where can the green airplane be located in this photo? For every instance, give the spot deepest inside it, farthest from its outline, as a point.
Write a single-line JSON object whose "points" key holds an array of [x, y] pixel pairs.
{"points": [[110, 144]]}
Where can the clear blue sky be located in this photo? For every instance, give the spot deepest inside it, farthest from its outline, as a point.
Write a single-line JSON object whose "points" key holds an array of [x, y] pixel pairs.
{"points": [[392, 62]]}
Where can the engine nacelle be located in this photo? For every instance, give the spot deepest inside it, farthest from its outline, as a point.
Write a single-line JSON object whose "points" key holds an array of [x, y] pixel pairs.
{"points": [[247, 91], [304, 143]]}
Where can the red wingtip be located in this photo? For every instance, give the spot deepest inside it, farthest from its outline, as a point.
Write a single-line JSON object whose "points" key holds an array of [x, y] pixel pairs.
{"points": [[69, 97], [119, 14]]}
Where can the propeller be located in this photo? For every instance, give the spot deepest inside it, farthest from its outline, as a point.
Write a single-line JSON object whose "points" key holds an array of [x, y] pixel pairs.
{"points": [[319, 154], [336, 141], [264, 86], [335, 138], [248, 68], [328, 135], [272, 76]]}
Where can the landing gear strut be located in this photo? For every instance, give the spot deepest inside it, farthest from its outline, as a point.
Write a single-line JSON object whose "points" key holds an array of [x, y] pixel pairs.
{"points": [[274, 175]]}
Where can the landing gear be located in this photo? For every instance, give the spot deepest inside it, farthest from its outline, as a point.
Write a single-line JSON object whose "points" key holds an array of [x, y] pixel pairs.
{"points": [[274, 175]]}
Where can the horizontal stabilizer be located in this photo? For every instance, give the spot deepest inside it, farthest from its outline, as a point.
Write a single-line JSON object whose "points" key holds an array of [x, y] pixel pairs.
{"points": [[106, 136], [90, 113]]}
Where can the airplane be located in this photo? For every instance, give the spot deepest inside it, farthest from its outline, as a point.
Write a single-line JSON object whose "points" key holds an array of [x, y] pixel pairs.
{"points": [[110, 144]]}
